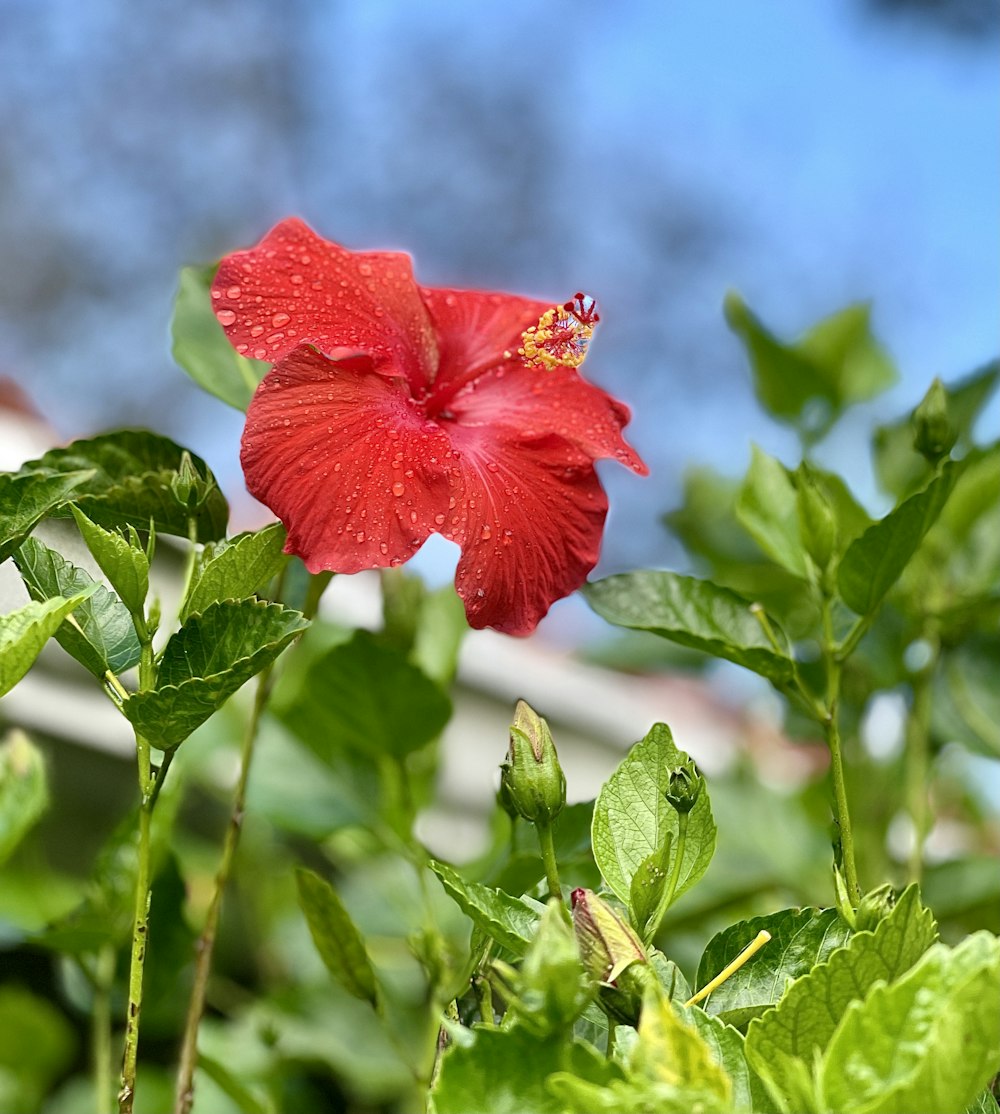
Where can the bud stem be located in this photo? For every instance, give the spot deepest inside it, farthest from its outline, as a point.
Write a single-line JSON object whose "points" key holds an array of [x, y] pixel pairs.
{"points": [[668, 894], [548, 850], [748, 952]]}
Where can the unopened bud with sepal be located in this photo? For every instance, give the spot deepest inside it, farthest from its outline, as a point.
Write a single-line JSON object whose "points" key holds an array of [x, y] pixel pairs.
{"points": [[612, 955], [188, 487], [933, 431], [874, 906], [532, 783], [684, 787]]}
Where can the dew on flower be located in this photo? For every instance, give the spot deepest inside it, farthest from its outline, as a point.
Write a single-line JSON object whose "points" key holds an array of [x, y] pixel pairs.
{"points": [[226, 317], [257, 330], [234, 292], [398, 489], [280, 319]]}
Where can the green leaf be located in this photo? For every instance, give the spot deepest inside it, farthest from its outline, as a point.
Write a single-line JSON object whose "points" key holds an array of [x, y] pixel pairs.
{"points": [[506, 1071], [802, 1024], [25, 631], [800, 938], [212, 656], [200, 345], [695, 613], [930, 1041], [874, 561], [103, 636], [727, 1049], [966, 704], [26, 500], [37, 1045], [899, 468], [511, 921], [24, 791], [131, 483], [336, 938], [767, 508], [366, 697], [236, 569], [632, 818], [810, 382], [983, 1103], [122, 561]]}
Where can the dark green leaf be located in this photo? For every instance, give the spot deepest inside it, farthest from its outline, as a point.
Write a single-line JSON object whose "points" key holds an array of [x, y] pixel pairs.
{"points": [[336, 938], [366, 697], [26, 500], [800, 938], [131, 483], [511, 921], [695, 613], [102, 636], [802, 1024], [930, 1041], [24, 793], [200, 346], [236, 569], [633, 820], [123, 561], [767, 508], [875, 560], [25, 631], [205, 662]]}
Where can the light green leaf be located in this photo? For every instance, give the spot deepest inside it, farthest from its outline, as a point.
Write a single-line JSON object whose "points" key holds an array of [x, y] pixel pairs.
{"points": [[24, 791], [930, 1041], [727, 1048], [966, 704], [122, 561], [26, 500], [200, 345], [805, 1019], [692, 612], [102, 636], [37, 1045], [205, 662], [800, 938], [509, 920], [632, 818], [875, 560], [506, 1071], [25, 631], [131, 483], [366, 697], [236, 569], [983, 1103], [767, 508], [810, 382], [336, 937]]}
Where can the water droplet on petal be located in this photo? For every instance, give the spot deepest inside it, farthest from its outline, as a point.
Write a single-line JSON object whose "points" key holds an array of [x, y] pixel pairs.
{"points": [[226, 316], [398, 489], [234, 292], [280, 319], [486, 533]]}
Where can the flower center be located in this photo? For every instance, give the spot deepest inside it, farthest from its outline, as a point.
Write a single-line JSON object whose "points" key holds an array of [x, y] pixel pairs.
{"points": [[561, 337]]}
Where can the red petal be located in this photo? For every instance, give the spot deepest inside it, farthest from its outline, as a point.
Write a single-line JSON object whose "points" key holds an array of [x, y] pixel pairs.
{"points": [[294, 286], [476, 331], [342, 456], [536, 403], [529, 525]]}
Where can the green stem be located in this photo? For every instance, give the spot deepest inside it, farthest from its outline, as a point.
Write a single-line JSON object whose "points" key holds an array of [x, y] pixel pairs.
{"points": [[612, 1028], [101, 1028], [917, 758], [206, 941], [484, 999], [545, 842], [140, 921], [831, 728]]}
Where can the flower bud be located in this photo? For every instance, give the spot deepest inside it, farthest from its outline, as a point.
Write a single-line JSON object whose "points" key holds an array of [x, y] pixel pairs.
{"points": [[684, 787], [817, 523], [189, 488], [933, 432], [874, 906], [612, 954], [532, 783]]}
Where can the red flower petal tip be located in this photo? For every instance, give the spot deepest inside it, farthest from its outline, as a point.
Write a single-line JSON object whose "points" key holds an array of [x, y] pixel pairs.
{"points": [[394, 411]]}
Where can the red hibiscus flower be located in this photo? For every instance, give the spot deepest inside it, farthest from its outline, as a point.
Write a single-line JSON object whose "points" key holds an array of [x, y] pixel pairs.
{"points": [[394, 411]]}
